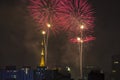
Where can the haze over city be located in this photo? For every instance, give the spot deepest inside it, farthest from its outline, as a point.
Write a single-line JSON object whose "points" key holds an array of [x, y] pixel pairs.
{"points": [[20, 39]]}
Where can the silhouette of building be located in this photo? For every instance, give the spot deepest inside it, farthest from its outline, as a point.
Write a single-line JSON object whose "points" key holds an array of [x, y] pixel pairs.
{"points": [[1, 74], [9, 73], [25, 73], [95, 75], [40, 73], [116, 67]]}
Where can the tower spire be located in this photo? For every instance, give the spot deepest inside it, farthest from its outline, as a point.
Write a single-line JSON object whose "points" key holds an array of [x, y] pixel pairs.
{"points": [[42, 61]]}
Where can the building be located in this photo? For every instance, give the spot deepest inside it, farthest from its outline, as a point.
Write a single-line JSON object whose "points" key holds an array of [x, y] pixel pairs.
{"points": [[115, 67], [25, 73], [95, 75], [40, 73], [9, 73], [90, 68], [1, 74]]}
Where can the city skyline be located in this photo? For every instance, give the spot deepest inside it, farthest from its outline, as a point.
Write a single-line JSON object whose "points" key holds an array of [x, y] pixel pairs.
{"points": [[19, 37]]}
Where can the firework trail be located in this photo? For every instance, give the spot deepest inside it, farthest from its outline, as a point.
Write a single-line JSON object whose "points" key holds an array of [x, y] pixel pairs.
{"points": [[77, 18]]}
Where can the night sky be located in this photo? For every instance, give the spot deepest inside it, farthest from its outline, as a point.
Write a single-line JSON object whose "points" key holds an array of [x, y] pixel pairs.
{"points": [[20, 39]]}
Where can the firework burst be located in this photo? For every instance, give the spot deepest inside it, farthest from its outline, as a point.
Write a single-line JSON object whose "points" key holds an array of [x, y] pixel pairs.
{"points": [[77, 18], [45, 12], [86, 39], [74, 13]]}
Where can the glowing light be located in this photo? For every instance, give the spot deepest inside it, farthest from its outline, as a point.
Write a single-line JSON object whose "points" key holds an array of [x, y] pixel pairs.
{"points": [[113, 71], [78, 38], [48, 25], [68, 69], [42, 61], [42, 53], [116, 62], [86, 39], [14, 76], [26, 70], [44, 11], [43, 32], [82, 27], [81, 41]]}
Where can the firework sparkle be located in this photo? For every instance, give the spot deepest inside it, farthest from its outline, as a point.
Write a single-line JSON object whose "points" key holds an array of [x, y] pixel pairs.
{"points": [[74, 13], [85, 40], [45, 12]]}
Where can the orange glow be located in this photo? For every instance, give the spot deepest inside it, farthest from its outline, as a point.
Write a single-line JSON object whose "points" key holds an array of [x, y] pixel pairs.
{"points": [[43, 32], [82, 26], [81, 41], [78, 38], [48, 25], [42, 60]]}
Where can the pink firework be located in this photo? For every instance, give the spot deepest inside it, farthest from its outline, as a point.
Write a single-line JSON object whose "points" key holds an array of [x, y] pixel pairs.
{"points": [[74, 13], [45, 12], [86, 39]]}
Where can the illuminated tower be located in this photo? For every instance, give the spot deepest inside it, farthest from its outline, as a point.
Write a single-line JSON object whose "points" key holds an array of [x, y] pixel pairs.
{"points": [[42, 61]]}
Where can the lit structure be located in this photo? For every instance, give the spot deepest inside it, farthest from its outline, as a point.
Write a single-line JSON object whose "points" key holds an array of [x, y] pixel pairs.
{"points": [[96, 75], [25, 73], [115, 67], [71, 13], [42, 61], [45, 44], [40, 73], [9, 73], [45, 13]]}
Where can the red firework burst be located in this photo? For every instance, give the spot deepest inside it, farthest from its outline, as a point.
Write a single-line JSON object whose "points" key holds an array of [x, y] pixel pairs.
{"points": [[87, 39], [45, 12], [74, 13]]}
